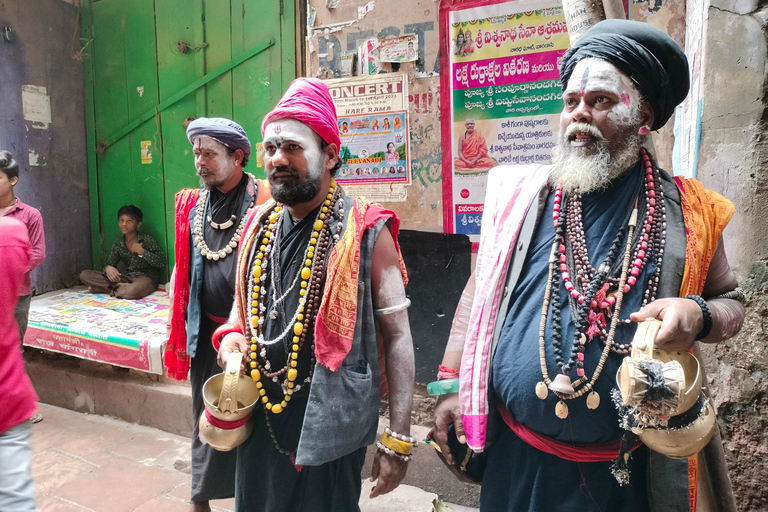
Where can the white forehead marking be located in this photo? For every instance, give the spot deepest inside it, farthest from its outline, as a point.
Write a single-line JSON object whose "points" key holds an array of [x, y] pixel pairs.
{"points": [[604, 76], [294, 130], [289, 129], [205, 142]]}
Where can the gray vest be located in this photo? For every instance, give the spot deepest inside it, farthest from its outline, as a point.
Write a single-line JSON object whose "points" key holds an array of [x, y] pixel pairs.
{"points": [[342, 413]]}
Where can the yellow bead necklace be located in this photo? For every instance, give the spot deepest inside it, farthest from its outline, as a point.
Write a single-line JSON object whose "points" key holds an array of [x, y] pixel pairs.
{"points": [[313, 262]]}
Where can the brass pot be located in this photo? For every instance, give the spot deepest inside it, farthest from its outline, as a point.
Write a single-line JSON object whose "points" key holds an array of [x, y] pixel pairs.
{"points": [[229, 399], [683, 442], [682, 374]]}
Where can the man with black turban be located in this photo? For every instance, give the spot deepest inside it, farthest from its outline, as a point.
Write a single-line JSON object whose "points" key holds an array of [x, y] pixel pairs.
{"points": [[571, 257], [209, 223]]}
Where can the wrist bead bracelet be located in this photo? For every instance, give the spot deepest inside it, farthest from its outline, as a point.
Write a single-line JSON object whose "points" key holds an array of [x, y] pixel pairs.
{"points": [[706, 313]]}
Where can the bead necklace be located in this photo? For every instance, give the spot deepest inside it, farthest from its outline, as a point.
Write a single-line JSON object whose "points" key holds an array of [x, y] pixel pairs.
{"points": [[311, 272], [651, 241], [197, 232], [558, 384]]}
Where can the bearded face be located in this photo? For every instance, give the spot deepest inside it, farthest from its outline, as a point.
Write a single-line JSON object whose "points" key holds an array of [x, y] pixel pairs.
{"points": [[294, 161], [601, 127]]}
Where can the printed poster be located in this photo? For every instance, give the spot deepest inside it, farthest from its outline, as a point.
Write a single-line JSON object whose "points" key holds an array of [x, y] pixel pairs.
{"points": [[399, 49], [505, 96], [373, 124]]}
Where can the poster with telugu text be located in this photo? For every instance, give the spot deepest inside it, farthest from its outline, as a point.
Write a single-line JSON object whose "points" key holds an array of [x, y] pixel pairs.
{"points": [[505, 97], [373, 123]]}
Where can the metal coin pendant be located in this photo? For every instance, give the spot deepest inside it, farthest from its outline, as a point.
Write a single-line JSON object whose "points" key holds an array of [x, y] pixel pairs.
{"points": [[561, 410], [593, 400], [542, 391]]}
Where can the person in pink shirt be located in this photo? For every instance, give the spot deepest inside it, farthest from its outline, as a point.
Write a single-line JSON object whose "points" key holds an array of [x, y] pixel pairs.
{"points": [[12, 207], [17, 396]]}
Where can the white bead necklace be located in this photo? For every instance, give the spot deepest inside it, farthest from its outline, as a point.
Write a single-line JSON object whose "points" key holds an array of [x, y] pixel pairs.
{"points": [[197, 232]]}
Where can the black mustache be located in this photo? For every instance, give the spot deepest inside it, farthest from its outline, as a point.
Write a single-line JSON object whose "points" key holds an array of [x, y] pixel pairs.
{"points": [[286, 169]]}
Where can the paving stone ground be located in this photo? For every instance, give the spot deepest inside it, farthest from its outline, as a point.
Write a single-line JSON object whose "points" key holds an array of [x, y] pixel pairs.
{"points": [[93, 463]]}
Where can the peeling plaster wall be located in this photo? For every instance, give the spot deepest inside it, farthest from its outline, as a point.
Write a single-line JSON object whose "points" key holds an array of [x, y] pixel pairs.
{"points": [[438, 264], [669, 16], [42, 59], [391, 18]]}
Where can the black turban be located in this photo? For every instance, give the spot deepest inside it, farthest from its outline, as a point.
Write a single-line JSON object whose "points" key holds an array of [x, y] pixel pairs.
{"points": [[223, 130], [648, 56]]}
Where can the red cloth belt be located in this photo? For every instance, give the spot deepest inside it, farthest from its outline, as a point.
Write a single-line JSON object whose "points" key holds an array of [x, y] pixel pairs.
{"points": [[217, 319], [577, 453], [225, 425]]}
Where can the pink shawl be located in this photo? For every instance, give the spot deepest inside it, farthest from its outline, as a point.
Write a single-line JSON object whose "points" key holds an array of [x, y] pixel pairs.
{"points": [[510, 191]]}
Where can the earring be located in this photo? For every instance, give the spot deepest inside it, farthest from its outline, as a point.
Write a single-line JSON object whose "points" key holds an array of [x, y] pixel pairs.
{"points": [[644, 130]]}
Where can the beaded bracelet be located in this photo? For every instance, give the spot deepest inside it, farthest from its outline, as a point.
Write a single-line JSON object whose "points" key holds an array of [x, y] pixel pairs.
{"points": [[222, 331], [393, 453], [735, 294], [706, 313], [401, 437], [401, 447]]}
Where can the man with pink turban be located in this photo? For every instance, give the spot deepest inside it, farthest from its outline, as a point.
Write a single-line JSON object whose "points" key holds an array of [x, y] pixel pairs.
{"points": [[321, 315]]}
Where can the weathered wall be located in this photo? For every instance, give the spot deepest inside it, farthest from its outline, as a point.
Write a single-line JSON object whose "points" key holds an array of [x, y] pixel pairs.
{"points": [[423, 209], [53, 174], [733, 159], [438, 264]]}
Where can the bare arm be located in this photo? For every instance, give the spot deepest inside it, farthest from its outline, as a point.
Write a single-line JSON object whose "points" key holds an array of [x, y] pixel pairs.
{"points": [[682, 319], [727, 314], [448, 409], [388, 291]]}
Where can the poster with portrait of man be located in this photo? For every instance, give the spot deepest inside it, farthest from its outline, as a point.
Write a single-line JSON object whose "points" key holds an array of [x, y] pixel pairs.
{"points": [[501, 64]]}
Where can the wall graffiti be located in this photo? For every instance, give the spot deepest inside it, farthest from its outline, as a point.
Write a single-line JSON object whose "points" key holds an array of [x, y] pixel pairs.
{"points": [[427, 170]]}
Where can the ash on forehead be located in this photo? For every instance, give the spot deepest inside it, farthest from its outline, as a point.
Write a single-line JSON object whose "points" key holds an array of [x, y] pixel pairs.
{"points": [[290, 129]]}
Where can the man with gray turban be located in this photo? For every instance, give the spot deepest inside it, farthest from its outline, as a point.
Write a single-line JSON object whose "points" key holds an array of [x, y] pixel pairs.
{"points": [[209, 223], [572, 256]]}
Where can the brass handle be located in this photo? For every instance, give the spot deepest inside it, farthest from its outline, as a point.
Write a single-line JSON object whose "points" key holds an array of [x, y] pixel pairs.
{"points": [[228, 396]]}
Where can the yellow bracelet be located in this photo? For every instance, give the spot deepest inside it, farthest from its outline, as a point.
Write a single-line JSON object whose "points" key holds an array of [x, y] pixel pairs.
{"points": [[396, 445]]}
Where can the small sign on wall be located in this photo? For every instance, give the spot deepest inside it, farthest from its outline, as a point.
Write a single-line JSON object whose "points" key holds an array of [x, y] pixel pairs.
{"points": [[146, 152], [36, 106]]}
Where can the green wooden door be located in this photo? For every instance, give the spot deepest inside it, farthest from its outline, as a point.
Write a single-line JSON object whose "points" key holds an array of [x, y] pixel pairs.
{"points": [[151, 64]]}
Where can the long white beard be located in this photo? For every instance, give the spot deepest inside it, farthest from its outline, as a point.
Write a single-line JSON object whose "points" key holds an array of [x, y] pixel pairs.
{"points": [[592, 169]]}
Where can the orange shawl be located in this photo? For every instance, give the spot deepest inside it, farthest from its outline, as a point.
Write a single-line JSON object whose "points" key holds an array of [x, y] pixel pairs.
{"points": [[336, 319], [706, 214]]}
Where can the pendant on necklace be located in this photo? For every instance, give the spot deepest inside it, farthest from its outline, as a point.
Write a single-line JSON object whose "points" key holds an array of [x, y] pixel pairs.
{"points": [[223, 225], [561, 410], [541, 390], [562, 384], [273, 315], [593, 400]]}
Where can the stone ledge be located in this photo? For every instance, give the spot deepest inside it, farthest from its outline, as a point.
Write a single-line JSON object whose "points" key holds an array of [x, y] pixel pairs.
{"points": [[97, 388]]}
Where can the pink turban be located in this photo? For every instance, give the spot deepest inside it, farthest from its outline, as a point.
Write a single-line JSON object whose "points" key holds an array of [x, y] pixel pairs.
{"points": [[308, 100]]}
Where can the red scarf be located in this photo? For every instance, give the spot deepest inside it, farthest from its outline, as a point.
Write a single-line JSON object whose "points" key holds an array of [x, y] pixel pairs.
{"points": [[176, 358]]}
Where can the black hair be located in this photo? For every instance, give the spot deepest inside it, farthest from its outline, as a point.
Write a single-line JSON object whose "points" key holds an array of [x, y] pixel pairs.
{"points": [[336, 167], [8, 165], [132, 211], [231, 152]]}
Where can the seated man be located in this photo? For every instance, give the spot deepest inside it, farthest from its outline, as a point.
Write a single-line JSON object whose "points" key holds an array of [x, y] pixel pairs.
{"points": [[139, 252], [473, 151]]}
